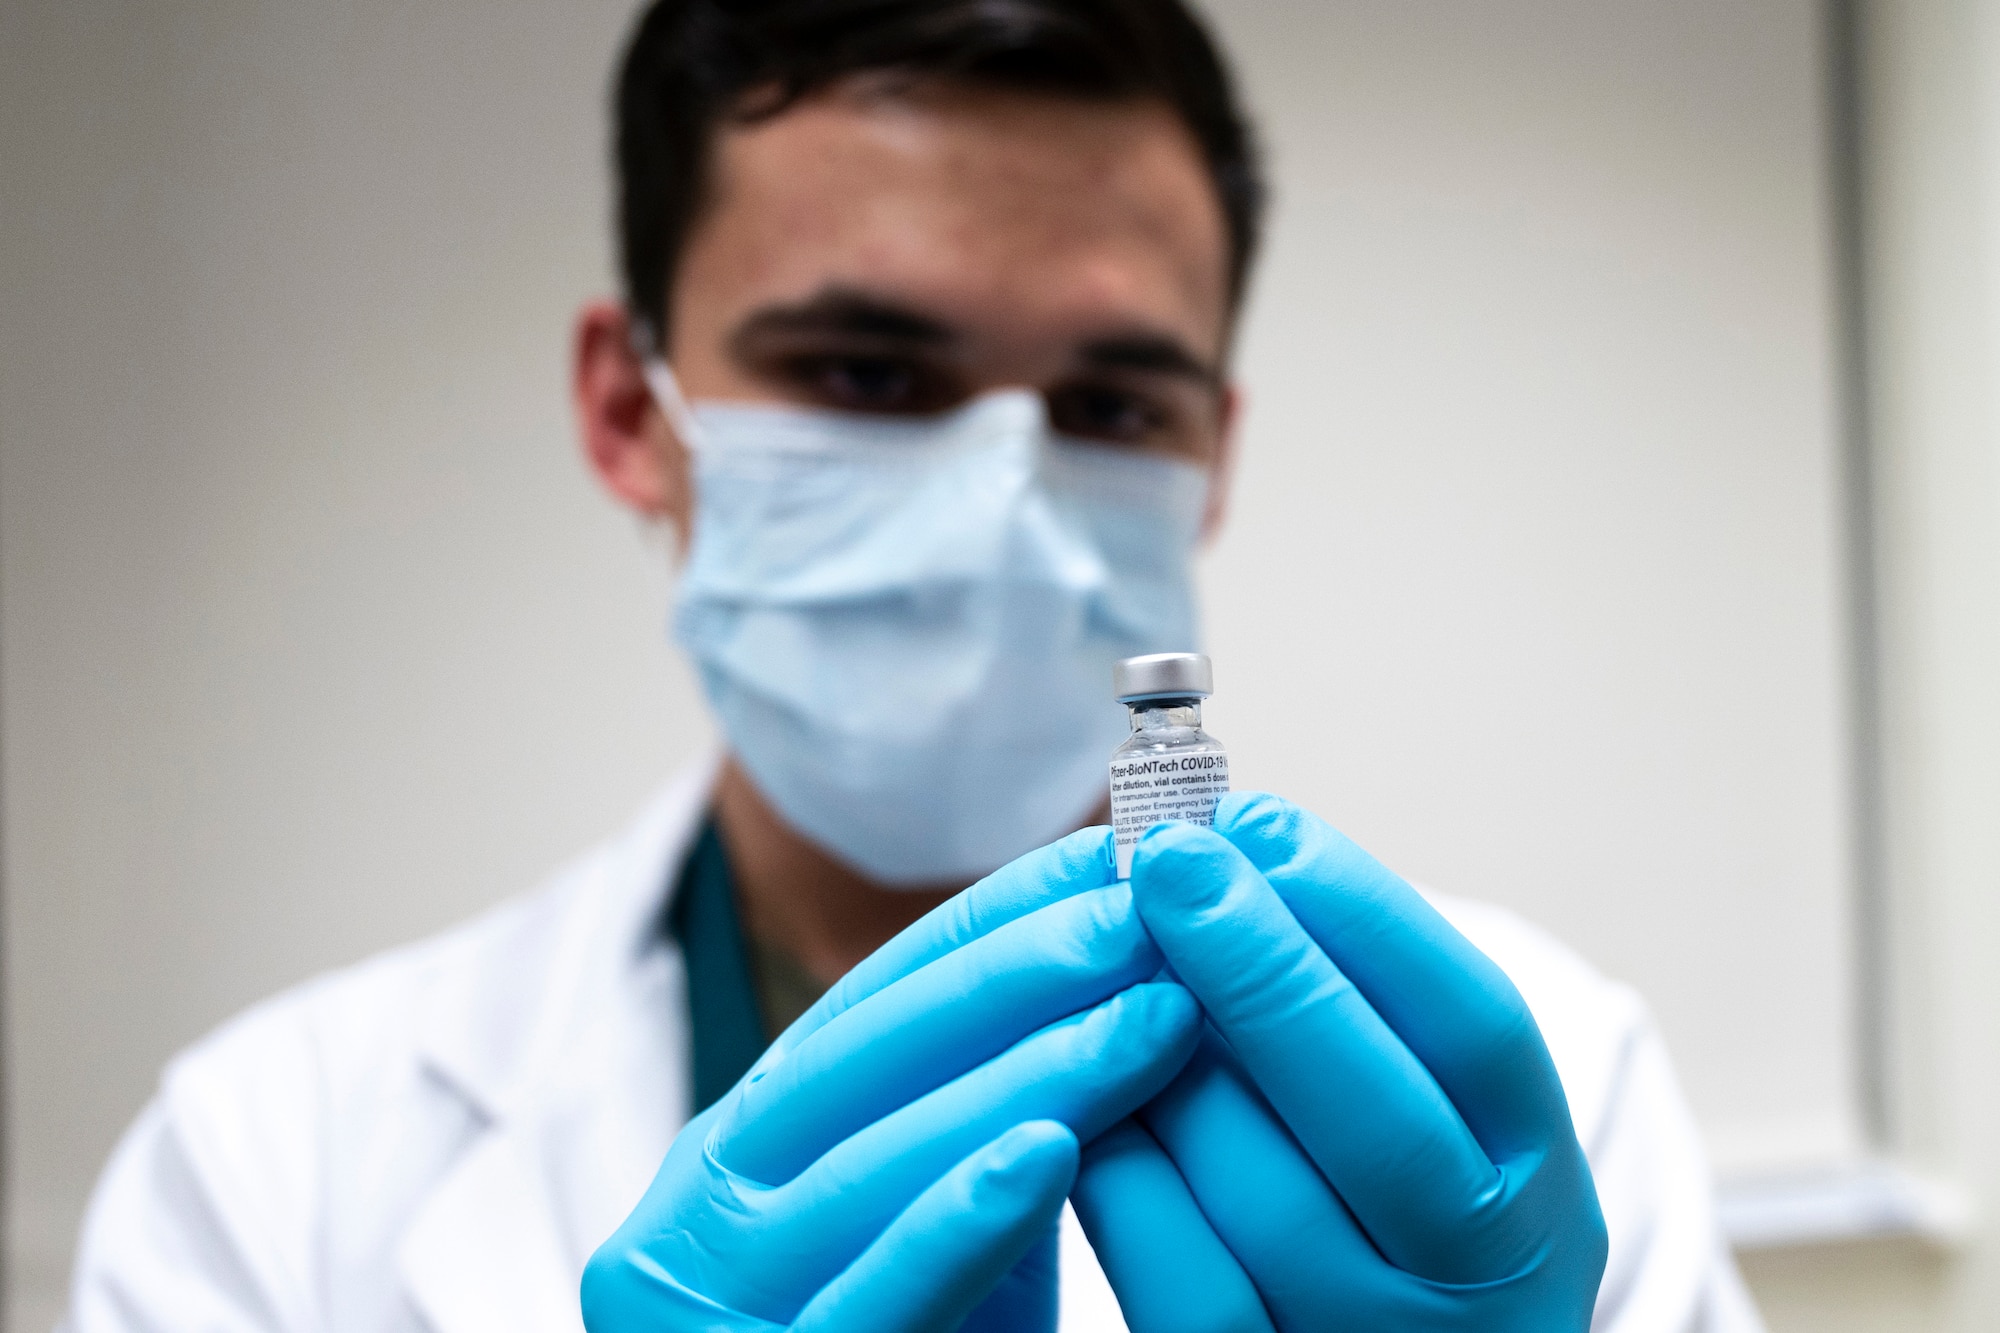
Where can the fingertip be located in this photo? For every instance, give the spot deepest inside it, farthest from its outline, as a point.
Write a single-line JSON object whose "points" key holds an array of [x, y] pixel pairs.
{"points": [[1100, 837], [954, 1245], [1072, 864], [1174, 834], [1154, 1025], [1090, 849], [1176, 1017], [1160, 1007], [1163, 841], [1184, 866], [1049, 1140], [1277, 835], [1177, 1002], [1166, 1001], [1032, 1134], [1252, 812], [1075, 863], [1135, 1042], [1033, 1161], [1268, 829]]}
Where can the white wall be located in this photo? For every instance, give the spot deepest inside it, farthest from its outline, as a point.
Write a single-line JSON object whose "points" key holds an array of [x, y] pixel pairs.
{"points": [[315, 637]]}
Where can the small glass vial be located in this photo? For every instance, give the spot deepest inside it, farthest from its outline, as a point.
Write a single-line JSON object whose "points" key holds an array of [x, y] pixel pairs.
{"points": [[1170, 769]]}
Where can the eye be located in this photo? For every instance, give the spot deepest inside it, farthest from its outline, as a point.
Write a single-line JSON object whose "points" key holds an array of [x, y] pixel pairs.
{"points": [[1104, 412], [872, 382], [862, 383]]}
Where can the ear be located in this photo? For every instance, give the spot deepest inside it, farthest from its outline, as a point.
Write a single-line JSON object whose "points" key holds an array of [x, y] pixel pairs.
{"points": [[625, 437], [1222, 471]]}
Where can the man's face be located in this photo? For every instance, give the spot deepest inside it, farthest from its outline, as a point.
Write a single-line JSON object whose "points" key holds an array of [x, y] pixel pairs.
{"points": [[902, 252]]}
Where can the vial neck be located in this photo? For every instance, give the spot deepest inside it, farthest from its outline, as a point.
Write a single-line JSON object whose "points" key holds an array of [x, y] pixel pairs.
{"points": [[1160, 714]]}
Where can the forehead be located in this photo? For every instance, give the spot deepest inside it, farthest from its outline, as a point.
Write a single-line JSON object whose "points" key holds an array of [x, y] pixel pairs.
{"points": [[1036, 212]]}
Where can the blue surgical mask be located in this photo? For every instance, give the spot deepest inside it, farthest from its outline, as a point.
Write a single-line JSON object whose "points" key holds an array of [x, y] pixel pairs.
{"points": [[906, 626]]}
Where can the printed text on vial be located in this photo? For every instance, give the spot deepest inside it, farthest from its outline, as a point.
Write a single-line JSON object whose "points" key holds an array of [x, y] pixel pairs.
{"points": [[1156, 789]]}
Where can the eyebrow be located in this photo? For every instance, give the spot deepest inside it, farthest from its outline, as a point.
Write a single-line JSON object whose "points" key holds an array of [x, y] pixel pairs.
{"points": [[844, 310], [857, 313], [1155, 353]]}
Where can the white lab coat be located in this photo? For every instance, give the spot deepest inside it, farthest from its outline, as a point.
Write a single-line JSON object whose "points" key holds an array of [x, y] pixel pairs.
{"points": [[437, 1138]]}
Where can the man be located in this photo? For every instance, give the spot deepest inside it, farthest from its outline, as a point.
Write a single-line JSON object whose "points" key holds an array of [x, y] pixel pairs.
{"points": [[923, 352]]}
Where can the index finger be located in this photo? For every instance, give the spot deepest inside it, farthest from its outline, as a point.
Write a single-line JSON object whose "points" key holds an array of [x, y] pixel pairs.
{"points": [[927, 1028], [1062, 869]]}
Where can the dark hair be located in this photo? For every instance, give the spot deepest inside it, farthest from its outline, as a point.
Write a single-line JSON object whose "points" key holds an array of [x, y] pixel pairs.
{"points": [[693, 64]]}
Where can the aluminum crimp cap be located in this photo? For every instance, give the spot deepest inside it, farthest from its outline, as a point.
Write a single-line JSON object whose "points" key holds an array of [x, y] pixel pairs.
{"points": [[1163, 676]]}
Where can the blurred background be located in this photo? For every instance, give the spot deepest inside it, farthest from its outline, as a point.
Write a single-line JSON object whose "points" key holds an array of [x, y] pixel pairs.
{"points": [[1618, 538]]}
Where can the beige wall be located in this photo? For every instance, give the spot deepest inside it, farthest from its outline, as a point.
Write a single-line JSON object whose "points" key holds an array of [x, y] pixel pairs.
{"points": [[1933, 230], [1932, 226], [315, 637], [1542, 480]]}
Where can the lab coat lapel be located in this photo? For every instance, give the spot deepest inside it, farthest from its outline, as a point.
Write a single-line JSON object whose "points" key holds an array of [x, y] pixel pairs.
{"points": [[569, 1043], [484, 1255]]}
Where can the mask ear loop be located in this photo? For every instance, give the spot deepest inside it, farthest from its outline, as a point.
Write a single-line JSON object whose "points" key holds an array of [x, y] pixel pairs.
{"points": [[664, 385]]}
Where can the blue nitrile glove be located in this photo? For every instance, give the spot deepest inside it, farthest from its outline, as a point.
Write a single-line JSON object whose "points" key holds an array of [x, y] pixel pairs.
{"points": [[901, 1148], [1372, 1135]]}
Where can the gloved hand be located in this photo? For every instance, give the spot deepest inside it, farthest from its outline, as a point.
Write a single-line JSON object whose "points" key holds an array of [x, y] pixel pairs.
{"points": [[1372, 1135], [911, 1138]]}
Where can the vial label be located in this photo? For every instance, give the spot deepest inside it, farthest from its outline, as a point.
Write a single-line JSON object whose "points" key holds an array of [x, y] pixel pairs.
{"points": [[1155, 789]]}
